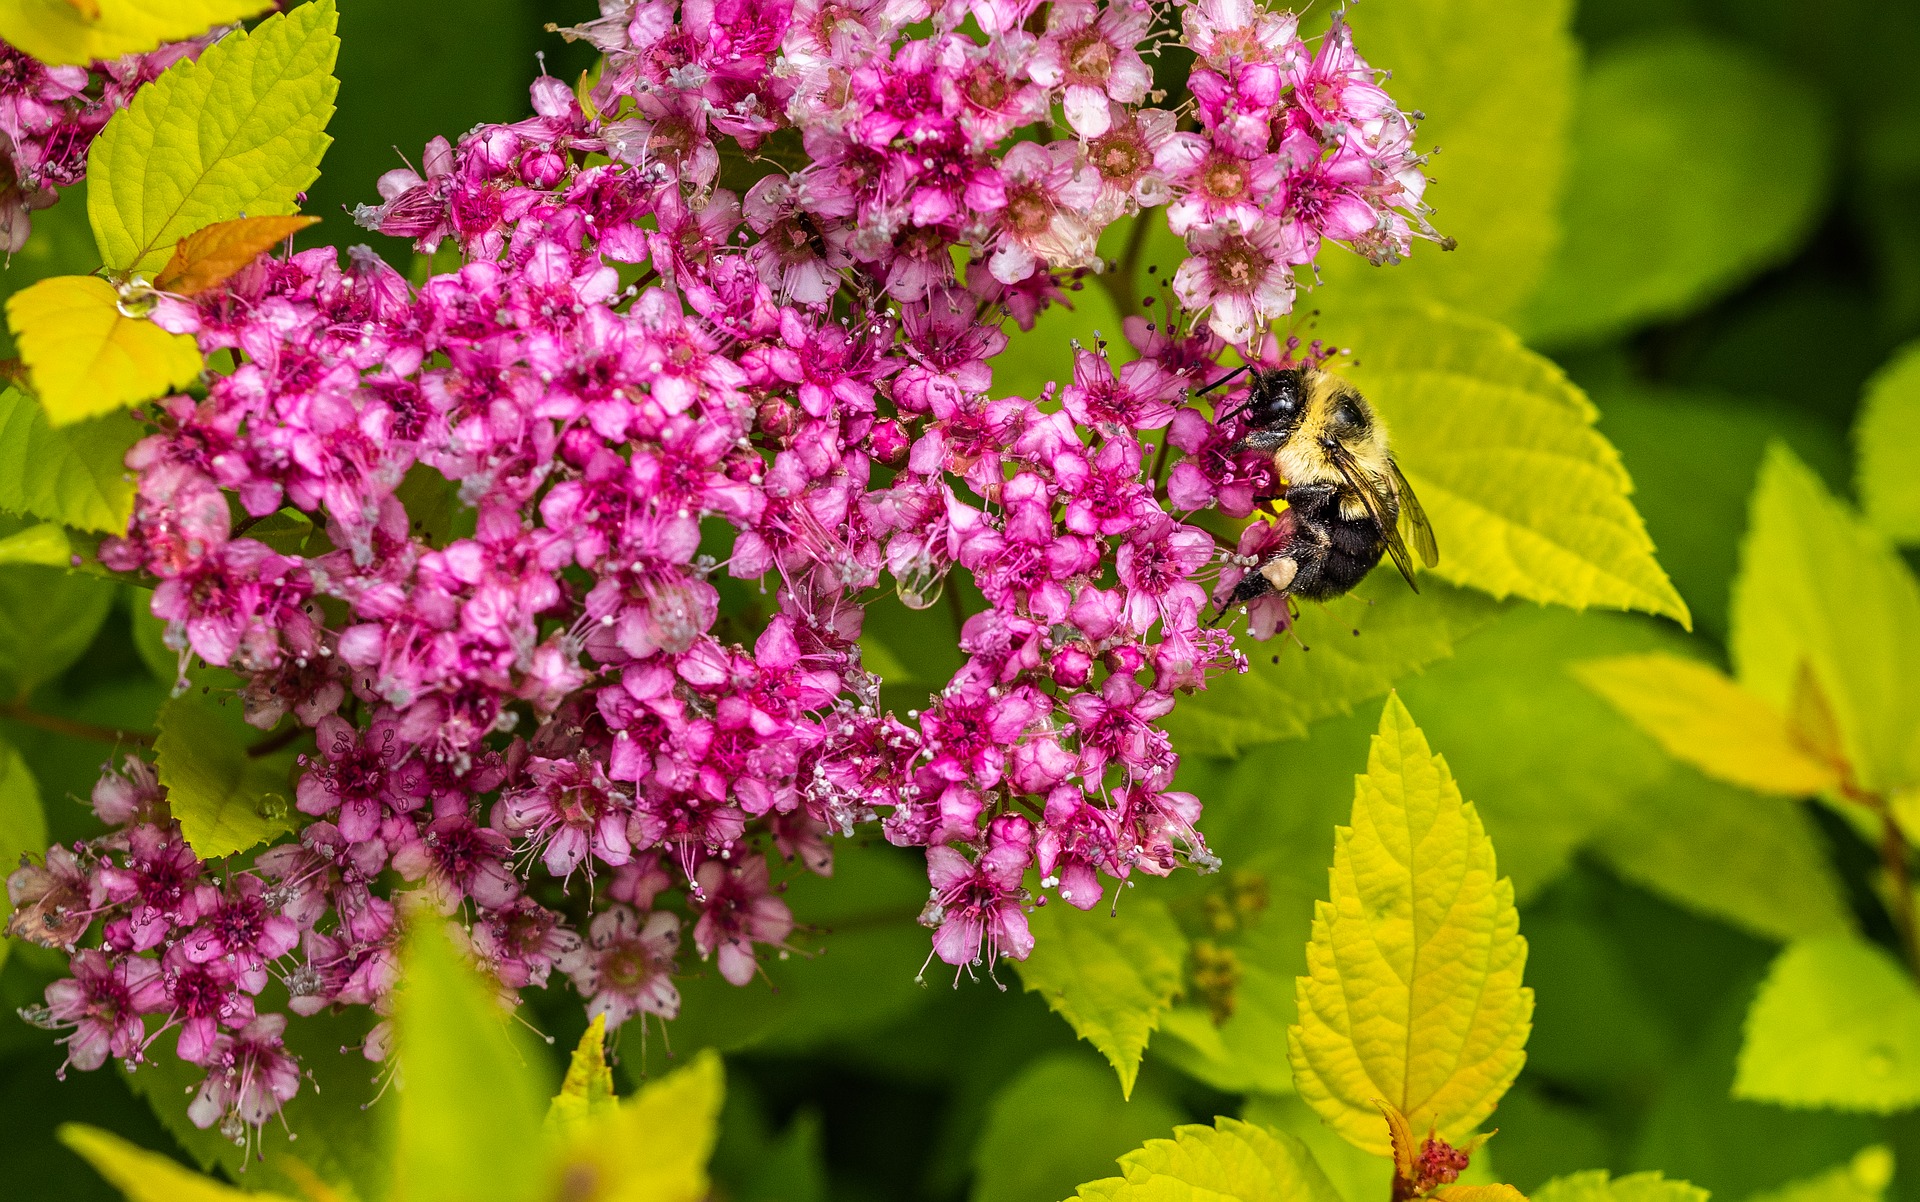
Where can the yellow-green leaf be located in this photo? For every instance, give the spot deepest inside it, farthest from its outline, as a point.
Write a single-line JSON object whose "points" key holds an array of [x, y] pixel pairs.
{"points": [[225, 800], [1865, 1178], [239, 132], [86, 357], [45, 544], [145, 1176], [467, 1121], [75, 475], [1496, 80], [588, 1088], [1230, 1161], [1821, 593], [1888, 435], [66, 32], [1595, 1185], [1479, 1193], [1527, 498], [1704, 718], [1412, 994], [1836, 1025], [655, 1145], [207, 258], [1111, 975]]}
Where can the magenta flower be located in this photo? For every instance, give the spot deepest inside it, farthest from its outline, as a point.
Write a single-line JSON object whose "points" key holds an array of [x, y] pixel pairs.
{"points": [[626, 967], [100, 1007], [976, 906], [736, 912]]}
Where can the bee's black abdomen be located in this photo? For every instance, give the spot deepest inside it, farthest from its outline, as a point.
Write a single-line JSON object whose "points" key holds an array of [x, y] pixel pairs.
{"points": [[1353, 549]]}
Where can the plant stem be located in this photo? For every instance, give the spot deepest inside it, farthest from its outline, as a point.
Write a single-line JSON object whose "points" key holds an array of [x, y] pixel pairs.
{"points": [[1119, 282], [1893, 855], [71, 727]]}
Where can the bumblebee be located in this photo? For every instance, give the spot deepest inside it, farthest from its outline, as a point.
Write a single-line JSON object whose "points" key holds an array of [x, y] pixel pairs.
{"points": [[1346, 498]]}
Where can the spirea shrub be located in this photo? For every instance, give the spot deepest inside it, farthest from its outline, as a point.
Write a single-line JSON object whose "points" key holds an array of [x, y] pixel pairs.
{"points": [[722, 314]]}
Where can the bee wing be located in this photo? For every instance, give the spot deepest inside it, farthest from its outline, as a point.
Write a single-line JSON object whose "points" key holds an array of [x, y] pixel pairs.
{"points": [[1369, 491], [1415, 516]]}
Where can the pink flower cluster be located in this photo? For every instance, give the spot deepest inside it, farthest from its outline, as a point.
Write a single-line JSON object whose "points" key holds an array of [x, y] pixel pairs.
{"points": [[698, 412], [49, 116]]}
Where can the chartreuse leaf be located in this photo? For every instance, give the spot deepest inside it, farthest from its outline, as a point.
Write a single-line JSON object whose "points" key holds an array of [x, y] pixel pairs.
{"points": [[225, 800], [239, 132], [1595, 1185], [1824, 609], [1769, 872], [1695, 164], [1495, 79], [1527, 498], [654, 1146], [1110, 973], [86, 357], [467, 1121], [209, 257], [1702, 717], [75, 475], [77, 32], [46, 545], [1229, 1160], [23, 825], [588, 1088], [1355, 648], [1412, 995], [1888, 435], [145, 1176], [1836, 1025]]}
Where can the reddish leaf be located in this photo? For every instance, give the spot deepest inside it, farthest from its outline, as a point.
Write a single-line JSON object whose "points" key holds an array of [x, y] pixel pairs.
{"points": [[211, 256]]}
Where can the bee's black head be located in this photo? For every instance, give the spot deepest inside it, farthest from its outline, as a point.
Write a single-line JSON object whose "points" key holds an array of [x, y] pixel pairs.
{"points": [[1274, 405]]}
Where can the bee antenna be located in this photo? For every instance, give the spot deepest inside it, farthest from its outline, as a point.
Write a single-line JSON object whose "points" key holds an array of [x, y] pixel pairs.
{"points": [[1222, 380]]}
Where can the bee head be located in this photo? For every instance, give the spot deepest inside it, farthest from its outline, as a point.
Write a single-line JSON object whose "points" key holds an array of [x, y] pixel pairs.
{"points": [[1273, 408]]}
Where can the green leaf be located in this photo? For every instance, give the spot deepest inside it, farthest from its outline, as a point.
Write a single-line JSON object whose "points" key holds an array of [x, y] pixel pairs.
{"points": [[1691, 500], [23, 826], [1082, 1139], [86, 357], [1768, 874], [1595, 1185], [1412, 994], [1695, 164], [1836, 1025], [1110, 974], [1821, 591], [239, 132], [145, 1176], [1888, 435], [75, 475], [1496, 81], [1230, 1160], [45, 544], [467, 1121], [654, 1146], [1703, 718], [225, 800], [1287, 687], [48, 617], [587, 1090], [1865, 1178], [858, 978], [72, 33], [1527, 499]]}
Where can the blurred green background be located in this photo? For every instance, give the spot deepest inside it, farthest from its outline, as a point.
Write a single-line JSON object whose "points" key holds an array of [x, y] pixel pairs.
{"points": [[1708, 212]]}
